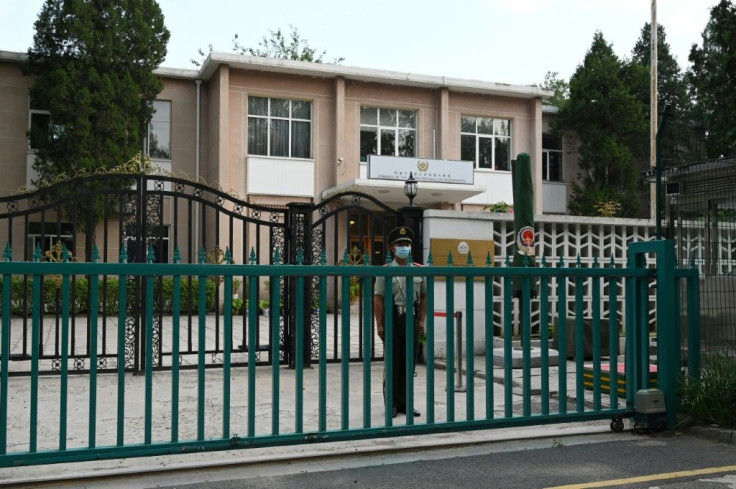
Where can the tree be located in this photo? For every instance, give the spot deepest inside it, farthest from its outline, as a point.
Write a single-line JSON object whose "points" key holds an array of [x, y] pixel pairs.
{"points": [[277, 46], [560, 88], [609, 122], [678, 143], [712, 80], [93, 65]]}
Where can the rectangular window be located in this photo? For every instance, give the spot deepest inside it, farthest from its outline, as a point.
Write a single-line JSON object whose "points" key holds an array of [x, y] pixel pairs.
{"points": [[46, 235], [486, 141], [158, 240], [387, 132], [279, 127], [39, 124], [551, 158], [159, 131]]}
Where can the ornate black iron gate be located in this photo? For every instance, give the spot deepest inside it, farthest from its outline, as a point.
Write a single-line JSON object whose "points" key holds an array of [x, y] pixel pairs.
{"points": [[348, 228], [135, 216]]}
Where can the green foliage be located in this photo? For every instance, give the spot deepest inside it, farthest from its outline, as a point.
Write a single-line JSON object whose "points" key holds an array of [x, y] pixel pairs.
{"points": [[22, 302], [610, 124], [711, 399], [712, 79], [678, 142], [264, 304], [559, 86], [237, 305], [354, 288], [499, 207], [291, 46], [93, 65], [276, 45]]}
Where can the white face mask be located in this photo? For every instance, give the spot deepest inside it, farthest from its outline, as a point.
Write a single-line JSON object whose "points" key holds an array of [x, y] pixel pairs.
{"points": [[403, 252]]}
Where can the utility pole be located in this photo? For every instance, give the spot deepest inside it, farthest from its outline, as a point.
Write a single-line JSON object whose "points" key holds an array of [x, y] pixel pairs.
{"points": [[653, 119]]}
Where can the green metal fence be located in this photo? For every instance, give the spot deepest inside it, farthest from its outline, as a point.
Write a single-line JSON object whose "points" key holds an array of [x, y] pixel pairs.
{"points": [[72, 417]]}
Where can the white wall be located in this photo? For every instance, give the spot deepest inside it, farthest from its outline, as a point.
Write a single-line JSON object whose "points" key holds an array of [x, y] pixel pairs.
{"points": [[568, 237]]}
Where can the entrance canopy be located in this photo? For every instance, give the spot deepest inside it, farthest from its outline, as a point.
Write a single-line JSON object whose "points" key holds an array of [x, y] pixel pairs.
{"points": [[392, 191]]}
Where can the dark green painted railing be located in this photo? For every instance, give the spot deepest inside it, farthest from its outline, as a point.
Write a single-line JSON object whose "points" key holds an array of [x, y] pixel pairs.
{"points": [[533, 406]]}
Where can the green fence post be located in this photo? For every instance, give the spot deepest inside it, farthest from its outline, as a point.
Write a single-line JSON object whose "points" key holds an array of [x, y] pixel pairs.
{"points": [[149, 362], [175, 337], [4, 361], [469, 344], [508, 331], [227, 347], [561, 331], [365, 287], [429, 346], [345, 348], [37, 301], [299, 351], [410, 353], [544, 333], [450, 342], [596, 338], [613, 328], [668, 351], [488, 296], [323, 347], [201, 347], [94, 284], [252, 347]]}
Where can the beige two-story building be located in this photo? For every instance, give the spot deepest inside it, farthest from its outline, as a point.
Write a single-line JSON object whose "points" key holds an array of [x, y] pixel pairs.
{"points": [[278, 131]]}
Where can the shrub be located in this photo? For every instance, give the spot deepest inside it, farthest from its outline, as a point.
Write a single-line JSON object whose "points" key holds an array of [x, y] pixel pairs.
{"points": [[21, 295], [711, 399]]}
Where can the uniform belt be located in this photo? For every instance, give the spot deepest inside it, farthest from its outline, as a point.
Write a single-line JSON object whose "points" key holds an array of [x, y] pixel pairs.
{"points": [[400, 309]]}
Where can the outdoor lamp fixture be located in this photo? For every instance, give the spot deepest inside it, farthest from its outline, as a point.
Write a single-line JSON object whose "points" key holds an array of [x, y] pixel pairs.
{"points": [[410, 189]]}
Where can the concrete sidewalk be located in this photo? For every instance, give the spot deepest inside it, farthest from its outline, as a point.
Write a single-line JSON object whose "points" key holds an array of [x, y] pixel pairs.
{"points": [[134, 426]]}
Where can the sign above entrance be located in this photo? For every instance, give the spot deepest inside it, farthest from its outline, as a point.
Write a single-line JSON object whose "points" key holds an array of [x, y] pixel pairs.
{"points": [[423, 170]]}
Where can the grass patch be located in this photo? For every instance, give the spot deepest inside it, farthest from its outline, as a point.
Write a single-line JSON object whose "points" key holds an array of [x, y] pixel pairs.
{"points": [[711, 399]]}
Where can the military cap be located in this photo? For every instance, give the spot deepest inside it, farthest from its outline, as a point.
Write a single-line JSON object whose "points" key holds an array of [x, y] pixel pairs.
{"points": [[401, 233]]}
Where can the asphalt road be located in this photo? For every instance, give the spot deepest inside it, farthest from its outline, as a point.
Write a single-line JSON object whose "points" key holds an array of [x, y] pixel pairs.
{"points": [[605, 460]]}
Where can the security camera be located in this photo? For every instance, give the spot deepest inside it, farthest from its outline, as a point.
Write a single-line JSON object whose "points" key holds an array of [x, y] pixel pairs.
{"points": [[339, 160]]}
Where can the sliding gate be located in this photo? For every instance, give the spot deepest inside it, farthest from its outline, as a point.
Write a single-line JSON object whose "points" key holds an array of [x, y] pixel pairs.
{"points": [[73, 416]]}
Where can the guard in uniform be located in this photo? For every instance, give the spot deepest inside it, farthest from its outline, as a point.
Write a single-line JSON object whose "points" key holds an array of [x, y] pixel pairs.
{"points": [[400, 241]]}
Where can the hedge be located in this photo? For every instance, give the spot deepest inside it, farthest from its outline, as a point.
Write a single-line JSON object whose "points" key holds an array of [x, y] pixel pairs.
{"points": [[107, 289]]}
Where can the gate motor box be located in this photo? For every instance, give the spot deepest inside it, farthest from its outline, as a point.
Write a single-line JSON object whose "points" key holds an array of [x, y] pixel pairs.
{"points": [[650, 410]]}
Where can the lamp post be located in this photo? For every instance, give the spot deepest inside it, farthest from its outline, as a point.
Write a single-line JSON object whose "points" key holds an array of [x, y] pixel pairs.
{"points": [[410, 189]]}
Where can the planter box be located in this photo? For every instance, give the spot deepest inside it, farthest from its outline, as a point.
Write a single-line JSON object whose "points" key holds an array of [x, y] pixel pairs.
{"points": [[570, 346]]}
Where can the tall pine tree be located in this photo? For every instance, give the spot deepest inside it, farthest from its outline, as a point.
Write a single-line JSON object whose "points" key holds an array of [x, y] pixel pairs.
{"points": [[712, 81], [609, 122], [93, 65]]}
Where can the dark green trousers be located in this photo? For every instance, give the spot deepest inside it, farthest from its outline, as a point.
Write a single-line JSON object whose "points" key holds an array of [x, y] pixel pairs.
{"points": [[399, 362]]}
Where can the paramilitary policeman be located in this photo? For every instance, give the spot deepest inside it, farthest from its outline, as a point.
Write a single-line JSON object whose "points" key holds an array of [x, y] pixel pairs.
{"points": [[400, 241]]}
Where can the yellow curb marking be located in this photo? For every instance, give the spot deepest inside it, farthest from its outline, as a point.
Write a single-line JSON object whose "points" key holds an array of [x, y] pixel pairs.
{"points": [[648, 478]]}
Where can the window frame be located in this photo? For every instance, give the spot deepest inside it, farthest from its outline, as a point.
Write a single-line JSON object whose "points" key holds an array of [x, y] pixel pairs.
{"points": [[52, 232], [290, 120], [34, 111], [484, 136], [153, 120], [396, 130], [546, 158]]}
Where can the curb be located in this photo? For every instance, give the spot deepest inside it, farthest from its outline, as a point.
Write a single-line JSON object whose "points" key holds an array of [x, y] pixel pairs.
{"points": [[89, 472], [722, 435]]}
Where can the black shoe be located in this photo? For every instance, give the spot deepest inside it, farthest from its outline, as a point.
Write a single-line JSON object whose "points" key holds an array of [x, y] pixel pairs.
{"points": [[394, 413], [416, 413]]}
